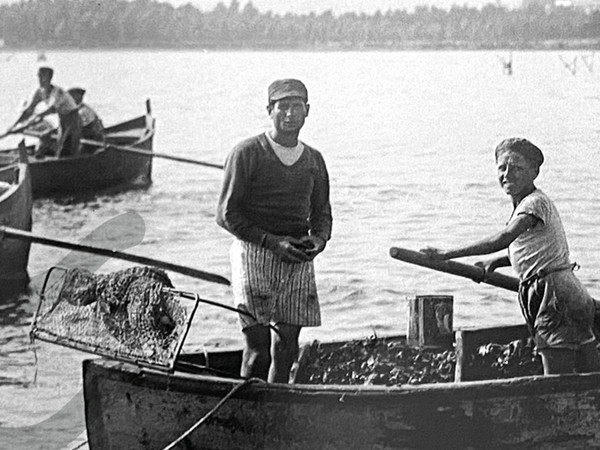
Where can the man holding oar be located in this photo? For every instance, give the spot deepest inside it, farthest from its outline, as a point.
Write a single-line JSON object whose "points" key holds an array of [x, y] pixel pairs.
{"points": [[275, 201], [57, 101], [557, 308]]}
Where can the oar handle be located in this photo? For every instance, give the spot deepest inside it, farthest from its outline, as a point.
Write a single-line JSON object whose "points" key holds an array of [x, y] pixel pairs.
{"points": [[139, 151], [14, 233], [13, 130], [475, 273]]}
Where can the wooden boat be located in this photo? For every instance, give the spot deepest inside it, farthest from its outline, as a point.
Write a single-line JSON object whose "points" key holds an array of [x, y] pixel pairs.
{"points": [[98, 167], [15, 211], [130, 407]]}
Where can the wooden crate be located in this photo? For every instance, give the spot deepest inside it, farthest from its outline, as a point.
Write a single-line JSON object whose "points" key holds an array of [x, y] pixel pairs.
{"points": [[430, 321]]}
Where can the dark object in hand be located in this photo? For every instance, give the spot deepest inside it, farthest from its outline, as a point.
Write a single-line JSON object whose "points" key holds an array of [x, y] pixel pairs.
{"points": [[304, 245]]}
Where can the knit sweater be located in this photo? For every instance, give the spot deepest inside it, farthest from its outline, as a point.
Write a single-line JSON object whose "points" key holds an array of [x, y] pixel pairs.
{"points": [[261, 196]]}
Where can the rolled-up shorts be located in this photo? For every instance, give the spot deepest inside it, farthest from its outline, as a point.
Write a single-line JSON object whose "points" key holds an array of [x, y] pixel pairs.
{"points": [[559, 311], [272, 290]]}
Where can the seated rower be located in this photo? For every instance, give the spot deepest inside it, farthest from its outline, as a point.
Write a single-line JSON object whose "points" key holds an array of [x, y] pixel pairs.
{"points": [[92, 127]]}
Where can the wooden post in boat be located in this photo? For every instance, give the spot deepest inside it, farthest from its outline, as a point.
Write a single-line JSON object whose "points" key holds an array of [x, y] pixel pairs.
{"points": [[430, 321]]}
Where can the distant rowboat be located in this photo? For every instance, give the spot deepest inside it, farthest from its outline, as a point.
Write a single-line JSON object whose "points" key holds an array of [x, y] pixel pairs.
{"points": [[98, 167], [15, 211]]}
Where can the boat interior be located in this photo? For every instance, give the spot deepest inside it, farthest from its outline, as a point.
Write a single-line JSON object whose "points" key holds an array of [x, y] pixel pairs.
{"points": [[466, 344]]}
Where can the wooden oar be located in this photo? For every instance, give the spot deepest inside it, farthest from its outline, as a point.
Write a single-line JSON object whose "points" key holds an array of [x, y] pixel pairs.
{"points": [[475, 273], [12, 130], [15, 130], [139, 151], [13, 233]]}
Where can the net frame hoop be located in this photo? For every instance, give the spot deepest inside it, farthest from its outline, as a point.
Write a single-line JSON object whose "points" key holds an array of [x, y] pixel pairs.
{"points": [[36, 332]]}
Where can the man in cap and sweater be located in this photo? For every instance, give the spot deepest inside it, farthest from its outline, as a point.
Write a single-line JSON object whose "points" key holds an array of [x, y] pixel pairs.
{"points": [[557, 308], [275, 201], [55, 100]]}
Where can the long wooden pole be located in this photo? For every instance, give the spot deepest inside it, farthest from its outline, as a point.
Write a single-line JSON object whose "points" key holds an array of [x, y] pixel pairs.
{"points": [[475, 273], [139, 151], [13, 233], [24, 128], [15, 131]]}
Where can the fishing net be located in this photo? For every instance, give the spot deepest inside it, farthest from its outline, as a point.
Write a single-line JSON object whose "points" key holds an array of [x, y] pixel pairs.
{"points": [[133, 315]]}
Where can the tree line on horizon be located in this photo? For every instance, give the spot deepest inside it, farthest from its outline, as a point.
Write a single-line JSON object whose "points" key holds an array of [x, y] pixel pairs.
{"points": [[149, 23]]}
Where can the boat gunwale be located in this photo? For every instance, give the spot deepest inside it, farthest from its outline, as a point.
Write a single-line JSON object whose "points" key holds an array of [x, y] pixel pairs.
{"points": [[217, 386]]}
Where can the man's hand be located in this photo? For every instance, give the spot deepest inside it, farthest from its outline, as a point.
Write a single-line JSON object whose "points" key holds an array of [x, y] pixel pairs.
{"points": [[313, 245], [434, 253], [32, 120], [489, 265], [290, 249]]}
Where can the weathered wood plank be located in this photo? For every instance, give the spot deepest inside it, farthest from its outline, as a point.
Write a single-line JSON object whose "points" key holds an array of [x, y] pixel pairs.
{"points": [[132, 409], [430, 321], [467, 341]]}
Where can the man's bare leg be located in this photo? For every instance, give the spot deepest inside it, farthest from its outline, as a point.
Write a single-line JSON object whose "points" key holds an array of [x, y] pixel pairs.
{"points": [[284, 350], [256, 358]]}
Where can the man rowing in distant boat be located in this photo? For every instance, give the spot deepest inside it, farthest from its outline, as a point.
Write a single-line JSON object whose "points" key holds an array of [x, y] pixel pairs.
{"points": [[56, 101], [557, 308], [275, 201], [91, 125]]}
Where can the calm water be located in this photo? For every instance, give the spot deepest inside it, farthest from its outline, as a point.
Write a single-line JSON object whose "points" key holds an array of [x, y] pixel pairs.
{"points": [[408, 139]]}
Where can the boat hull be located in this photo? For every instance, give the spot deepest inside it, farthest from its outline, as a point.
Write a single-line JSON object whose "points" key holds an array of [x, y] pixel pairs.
{"points": [[15, 212], [102, 170], [132, 408]]}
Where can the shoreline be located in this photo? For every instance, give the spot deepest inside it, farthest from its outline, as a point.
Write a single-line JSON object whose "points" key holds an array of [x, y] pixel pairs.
{"points": [[552, 45]]}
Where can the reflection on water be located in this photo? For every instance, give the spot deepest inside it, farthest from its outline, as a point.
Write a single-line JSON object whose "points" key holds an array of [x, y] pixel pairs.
{"points": [[407, 137]]}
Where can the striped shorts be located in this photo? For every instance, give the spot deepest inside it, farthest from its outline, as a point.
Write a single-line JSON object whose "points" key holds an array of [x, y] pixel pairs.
{"points": [[272, 290]]}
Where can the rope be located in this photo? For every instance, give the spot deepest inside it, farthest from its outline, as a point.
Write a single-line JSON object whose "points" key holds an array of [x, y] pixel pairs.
{"points": [[210, 413], [81, 445]]}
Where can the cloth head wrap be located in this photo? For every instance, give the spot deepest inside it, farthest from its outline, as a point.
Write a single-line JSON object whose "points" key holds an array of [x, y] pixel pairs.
{"points": [[46, 70], [523, 147], [76, 91]]}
